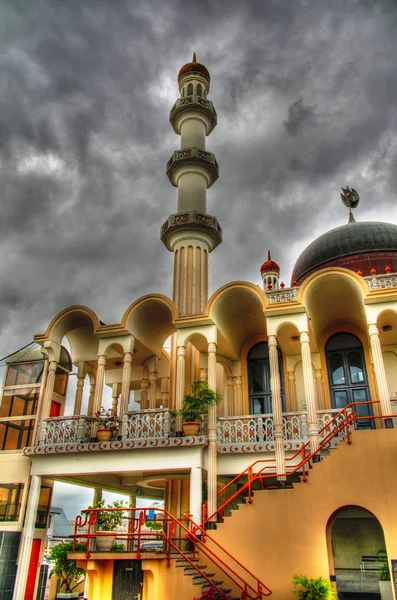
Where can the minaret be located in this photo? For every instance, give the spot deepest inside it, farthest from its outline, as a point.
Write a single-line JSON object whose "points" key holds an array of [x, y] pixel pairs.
{"points": [[191, 234], [270, 273]]}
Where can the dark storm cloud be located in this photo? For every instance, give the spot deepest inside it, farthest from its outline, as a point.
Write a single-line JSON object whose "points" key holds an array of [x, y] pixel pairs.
{"points": [[305, 94]]}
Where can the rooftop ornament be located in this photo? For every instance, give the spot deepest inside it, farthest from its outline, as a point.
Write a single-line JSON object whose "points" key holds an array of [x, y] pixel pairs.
{"points": [[350, 198]]}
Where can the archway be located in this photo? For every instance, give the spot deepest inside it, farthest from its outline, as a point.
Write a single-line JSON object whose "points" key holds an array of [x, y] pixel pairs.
{"points": [[355, 542], [347, 374]]}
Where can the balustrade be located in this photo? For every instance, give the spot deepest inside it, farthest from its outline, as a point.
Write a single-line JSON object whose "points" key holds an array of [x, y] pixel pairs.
{"points": [[64, 430], [153, 423]]}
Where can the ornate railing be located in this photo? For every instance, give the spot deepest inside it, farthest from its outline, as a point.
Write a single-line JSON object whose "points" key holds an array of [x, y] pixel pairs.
{"points": [[295, 426], [152, 423], [283, 295], [381, 281], [245, 429], [64, 430]]}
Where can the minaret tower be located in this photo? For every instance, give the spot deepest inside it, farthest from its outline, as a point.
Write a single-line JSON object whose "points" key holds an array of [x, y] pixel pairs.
{"points": [[191, 234]]}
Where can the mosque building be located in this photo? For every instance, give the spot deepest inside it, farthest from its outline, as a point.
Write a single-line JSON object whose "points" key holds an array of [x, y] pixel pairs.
{"points": [[294, 471]]}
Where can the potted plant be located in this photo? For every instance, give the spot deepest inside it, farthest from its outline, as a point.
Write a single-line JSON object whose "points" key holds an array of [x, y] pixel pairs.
{"points": [[69, 575], [107, 423], [107, 521], [195, 405], [384, 575], [313, 589], [212, 594]]}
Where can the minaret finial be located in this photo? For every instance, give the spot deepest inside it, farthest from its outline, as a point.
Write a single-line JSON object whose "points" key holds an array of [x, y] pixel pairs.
{"points": [[269, 255], [350, 198], [194, 57]]}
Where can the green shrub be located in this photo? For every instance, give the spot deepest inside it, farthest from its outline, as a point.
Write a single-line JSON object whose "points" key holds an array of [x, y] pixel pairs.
{"points": [[313, 589]]}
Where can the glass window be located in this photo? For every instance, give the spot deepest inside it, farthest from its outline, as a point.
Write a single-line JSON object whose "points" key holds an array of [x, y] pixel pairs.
{"points": [[15, 435], [356, 369], [337, 370], [340, 398], [19, 402], [259, 380], [10, 501], [190, 89], [199, 90], [24, 373], [61, 381], [43, 507]]}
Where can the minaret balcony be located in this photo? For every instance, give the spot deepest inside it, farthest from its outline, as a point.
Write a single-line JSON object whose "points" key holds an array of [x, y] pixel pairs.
{"points": [[187, 221], [192, 159], [193, 106]]}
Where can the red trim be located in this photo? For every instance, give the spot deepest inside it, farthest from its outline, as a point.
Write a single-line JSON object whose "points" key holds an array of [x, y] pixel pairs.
{"points": [[33, 569]]}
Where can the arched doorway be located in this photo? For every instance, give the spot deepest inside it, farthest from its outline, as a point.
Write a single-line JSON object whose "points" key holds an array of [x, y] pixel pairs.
{"points": [[356, 544], [259, 380], [348, 375]]}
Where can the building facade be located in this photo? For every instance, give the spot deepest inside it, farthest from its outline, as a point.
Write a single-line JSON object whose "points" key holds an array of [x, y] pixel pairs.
{"points": [[287, 361]]}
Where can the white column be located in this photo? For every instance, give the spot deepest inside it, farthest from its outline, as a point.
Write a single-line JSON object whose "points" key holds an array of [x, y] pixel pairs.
{"points": [[277, 411], [153, 389], [292, 391], [125, 383], [238, 395], [204, 374], [380, 373], [320, 389], [230, 396], [212, 457], [144, 394], [310, 393], [27, 538], [195, 501], [100, 380], [180, 386], [49, 390], [115, 397], [79, 395], [91, 399], [165, 382]]}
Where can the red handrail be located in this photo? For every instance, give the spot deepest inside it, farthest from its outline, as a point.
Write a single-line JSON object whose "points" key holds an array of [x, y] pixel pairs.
{"points": [[192, 532], [348, 417]]}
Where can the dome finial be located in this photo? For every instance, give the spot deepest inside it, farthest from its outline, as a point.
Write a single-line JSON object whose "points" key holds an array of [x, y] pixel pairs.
{"points": [[350, 198], [194, 57]]}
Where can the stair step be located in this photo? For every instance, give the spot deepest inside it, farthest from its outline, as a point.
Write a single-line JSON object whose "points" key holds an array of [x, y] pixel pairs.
{"points": [[206, 574], [208, 585]]}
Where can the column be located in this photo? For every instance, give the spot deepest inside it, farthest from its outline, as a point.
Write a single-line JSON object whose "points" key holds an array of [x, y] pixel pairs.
{"points": [[292, 391], [49, 390], [91, 399], [115, 397], [238, 398], [144, 394], [212, 457], [277, 412], [153, 389], [125, 383], [180, 386], [27, 538], [165, 381], [310, 394], [79, 395], [204, 374], [230, 396], [380, 373], [320, 389], [195, 498], [100, 380]]}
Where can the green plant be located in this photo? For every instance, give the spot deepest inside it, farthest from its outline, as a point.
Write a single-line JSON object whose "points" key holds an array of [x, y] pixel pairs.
{"points": [[117, 548], [109, 520], [105, 418], [313, 589], [197, 403], [384, 571], [154, 525], [65, 568]]}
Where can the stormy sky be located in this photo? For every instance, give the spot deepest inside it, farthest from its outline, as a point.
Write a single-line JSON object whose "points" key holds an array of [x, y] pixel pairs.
{"points": [[305, 93]]}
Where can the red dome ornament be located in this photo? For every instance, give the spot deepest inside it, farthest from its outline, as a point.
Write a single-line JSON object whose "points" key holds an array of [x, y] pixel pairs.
{"points": [[373, 271], [387, 269], [270, 265]]}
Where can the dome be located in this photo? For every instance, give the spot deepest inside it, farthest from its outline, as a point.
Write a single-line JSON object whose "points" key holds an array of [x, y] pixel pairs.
{"points": [[194, 66], [270, 265], [355, 246]]}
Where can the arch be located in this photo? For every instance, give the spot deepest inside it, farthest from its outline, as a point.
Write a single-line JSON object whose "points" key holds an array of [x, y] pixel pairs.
{"points": [[71, 318], [237, 309], [198, 339], [150, 320], [352, 532], [113, 349]]}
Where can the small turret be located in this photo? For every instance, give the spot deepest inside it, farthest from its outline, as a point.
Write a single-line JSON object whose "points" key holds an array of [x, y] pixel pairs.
{"points": [[270, 273]]}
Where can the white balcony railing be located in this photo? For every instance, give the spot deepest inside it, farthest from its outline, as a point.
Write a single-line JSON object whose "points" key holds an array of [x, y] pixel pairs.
{"points": [[64, 430], [154, 423]]}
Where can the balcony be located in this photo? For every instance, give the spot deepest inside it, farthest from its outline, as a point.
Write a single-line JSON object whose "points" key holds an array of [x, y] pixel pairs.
{"points": [[155, 428]]}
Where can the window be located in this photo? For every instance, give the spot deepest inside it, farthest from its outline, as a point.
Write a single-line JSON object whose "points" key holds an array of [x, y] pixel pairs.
{"points": [[199, 90], [259, 380], [10, 501], [24, 373], [190, 89]]}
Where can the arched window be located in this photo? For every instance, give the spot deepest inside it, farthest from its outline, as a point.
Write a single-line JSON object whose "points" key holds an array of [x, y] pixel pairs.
{"points": [[199, 90], [183, 92], [348, 376], [259, 380], [190, 89]]}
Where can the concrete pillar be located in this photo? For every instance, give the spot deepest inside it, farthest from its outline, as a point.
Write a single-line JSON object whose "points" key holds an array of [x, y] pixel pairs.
{"points": [[380, 373], [212, 456], [196, 499], [125, 383], [238, 382], [91, 399], [153, 389], [204, 374], [180, 386], [144, 394], [292, 391], [115, 397], [230, 396], [27, 538], [277, 411], [165, 382], [310, 393], [49, 390], [78, 399], [100, 380], [320, 389]]}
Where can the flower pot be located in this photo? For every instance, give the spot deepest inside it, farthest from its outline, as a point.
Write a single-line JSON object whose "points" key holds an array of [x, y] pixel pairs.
{"points": [[385, 590], [104, 541], [191, 427], [104, 435]]}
